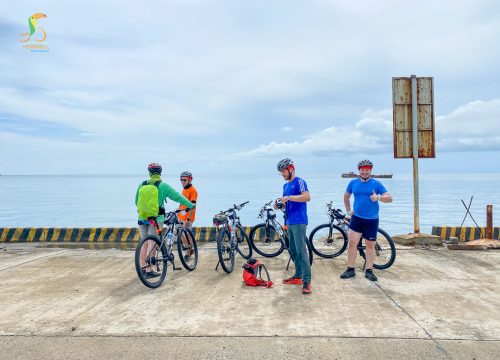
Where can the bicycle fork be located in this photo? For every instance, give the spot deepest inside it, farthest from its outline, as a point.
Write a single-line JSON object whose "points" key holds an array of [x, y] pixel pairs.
{"points": [[232, 245]]}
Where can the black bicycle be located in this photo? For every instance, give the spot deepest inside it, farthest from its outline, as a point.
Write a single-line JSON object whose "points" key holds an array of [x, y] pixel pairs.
{"points": [[330, 240], [269, 239], [231, 238], [155, 251]]}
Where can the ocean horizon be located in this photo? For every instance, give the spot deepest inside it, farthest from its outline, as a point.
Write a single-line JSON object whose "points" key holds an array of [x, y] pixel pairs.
{"points": [[108, 200]]}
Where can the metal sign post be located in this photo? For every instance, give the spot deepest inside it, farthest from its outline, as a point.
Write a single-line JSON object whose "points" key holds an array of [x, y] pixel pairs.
{"points": [[413, 125]]}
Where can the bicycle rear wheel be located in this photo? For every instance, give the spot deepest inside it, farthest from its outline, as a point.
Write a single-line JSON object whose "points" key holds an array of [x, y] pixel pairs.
{"points": [[151, 261], [243, 244], [266, 240], [225, 251], [385, 251], [187, 249], [328, 241]]}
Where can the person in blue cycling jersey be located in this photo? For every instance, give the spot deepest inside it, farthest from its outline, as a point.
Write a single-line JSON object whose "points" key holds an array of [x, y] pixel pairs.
{"points": [[295, 198], [368, 192]]}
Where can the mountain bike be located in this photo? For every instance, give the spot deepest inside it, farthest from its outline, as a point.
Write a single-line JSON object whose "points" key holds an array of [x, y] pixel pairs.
{"points": [[231, 238], [330, 240], [269, 239], [154, 252]]}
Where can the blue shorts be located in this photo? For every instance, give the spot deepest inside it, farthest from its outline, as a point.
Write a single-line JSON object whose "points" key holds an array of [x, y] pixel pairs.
{"points": [[367, 227]]}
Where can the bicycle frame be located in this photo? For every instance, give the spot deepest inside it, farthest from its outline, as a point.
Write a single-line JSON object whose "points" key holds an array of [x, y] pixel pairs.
{"points": [[230, 225], [270, 219], [172, 227], [338, 216]]}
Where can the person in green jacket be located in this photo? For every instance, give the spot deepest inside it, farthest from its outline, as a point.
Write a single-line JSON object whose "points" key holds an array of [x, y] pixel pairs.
{"points": [[164, 191]]}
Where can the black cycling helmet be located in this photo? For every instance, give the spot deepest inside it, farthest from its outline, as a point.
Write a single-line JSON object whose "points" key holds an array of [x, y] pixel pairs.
{"points": [[284, 164], [154, 169], [365, 163], [186, 174]]}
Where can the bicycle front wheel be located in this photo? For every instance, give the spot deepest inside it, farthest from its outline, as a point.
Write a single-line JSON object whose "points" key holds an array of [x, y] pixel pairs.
{"points": [[225, 250], [151, 261], [385, 251], [243, 243], [328, 241], [187, 249], [266, 240]]}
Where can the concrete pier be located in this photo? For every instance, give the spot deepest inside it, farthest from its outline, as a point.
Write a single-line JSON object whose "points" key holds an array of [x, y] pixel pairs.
{"points": [[60, 303]]}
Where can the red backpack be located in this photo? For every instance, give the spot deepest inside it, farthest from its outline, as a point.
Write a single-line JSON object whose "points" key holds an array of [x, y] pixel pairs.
{"points": [[252, 274]]}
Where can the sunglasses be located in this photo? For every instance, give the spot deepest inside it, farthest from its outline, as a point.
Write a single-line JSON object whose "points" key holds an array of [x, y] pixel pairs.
{"points": [[184, 180]]}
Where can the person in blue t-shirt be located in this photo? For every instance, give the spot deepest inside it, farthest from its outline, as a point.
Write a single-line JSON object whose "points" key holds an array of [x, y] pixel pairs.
{"points": [[364, 218], [295, 196]]}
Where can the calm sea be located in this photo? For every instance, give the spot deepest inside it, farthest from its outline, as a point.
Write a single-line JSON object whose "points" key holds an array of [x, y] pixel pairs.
{"points": [[108, 201]]}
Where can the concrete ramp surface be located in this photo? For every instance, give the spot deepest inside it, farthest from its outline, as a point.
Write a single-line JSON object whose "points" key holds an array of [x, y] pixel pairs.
{"points": [[430, 304]]}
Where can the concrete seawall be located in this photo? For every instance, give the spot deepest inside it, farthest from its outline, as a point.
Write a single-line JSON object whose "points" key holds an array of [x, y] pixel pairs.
{"points": [[463, 233], [202, 233], [112, 234]]}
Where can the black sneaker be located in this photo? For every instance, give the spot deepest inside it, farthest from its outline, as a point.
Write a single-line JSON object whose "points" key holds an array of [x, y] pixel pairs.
{"points": [[349, 273], [370, 275]]}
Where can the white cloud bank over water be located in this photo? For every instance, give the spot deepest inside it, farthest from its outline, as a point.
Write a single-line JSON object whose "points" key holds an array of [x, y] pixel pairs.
{"points": [[472, 127]]}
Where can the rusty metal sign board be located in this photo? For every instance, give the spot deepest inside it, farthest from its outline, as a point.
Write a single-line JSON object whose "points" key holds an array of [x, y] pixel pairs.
{"points": [[402, 117]]}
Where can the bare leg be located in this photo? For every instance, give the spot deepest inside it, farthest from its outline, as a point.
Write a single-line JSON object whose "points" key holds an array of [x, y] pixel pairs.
{"points": [[370, 253], [354, 238], [188, 225]]}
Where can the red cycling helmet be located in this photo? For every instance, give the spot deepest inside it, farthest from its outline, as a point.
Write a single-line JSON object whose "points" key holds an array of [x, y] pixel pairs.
{"points": [[154, 169]]}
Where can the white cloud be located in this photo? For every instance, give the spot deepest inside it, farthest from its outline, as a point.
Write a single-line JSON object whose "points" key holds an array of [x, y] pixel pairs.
{"points": [[474, 127], [222, 77], [371, 133]]}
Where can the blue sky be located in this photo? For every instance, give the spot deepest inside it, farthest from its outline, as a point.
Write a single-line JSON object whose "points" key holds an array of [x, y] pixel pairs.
{"points": [[237, 85]]}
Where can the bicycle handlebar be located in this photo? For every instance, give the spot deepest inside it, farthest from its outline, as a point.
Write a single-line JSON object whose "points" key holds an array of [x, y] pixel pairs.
{"points": [[336, 213], [235, 207], [267, 207]]}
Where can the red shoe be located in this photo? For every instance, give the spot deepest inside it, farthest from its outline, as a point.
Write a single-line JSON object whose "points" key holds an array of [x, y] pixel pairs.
{"points": [[306, 289], [292, 281]]}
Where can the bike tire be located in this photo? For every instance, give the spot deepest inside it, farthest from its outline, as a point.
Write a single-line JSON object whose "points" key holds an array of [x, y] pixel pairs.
{"points": [[188, 254], [326, 246], [225, 252], [243, 244], [152, 245], [266, 241], [385, 251], [309, 251]]}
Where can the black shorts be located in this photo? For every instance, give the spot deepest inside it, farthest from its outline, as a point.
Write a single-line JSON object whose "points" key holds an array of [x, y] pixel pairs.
{"points": [[367, 227]]}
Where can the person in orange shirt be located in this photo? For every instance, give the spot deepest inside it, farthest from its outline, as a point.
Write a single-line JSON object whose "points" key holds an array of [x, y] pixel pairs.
{"points": [[191, 194]]}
